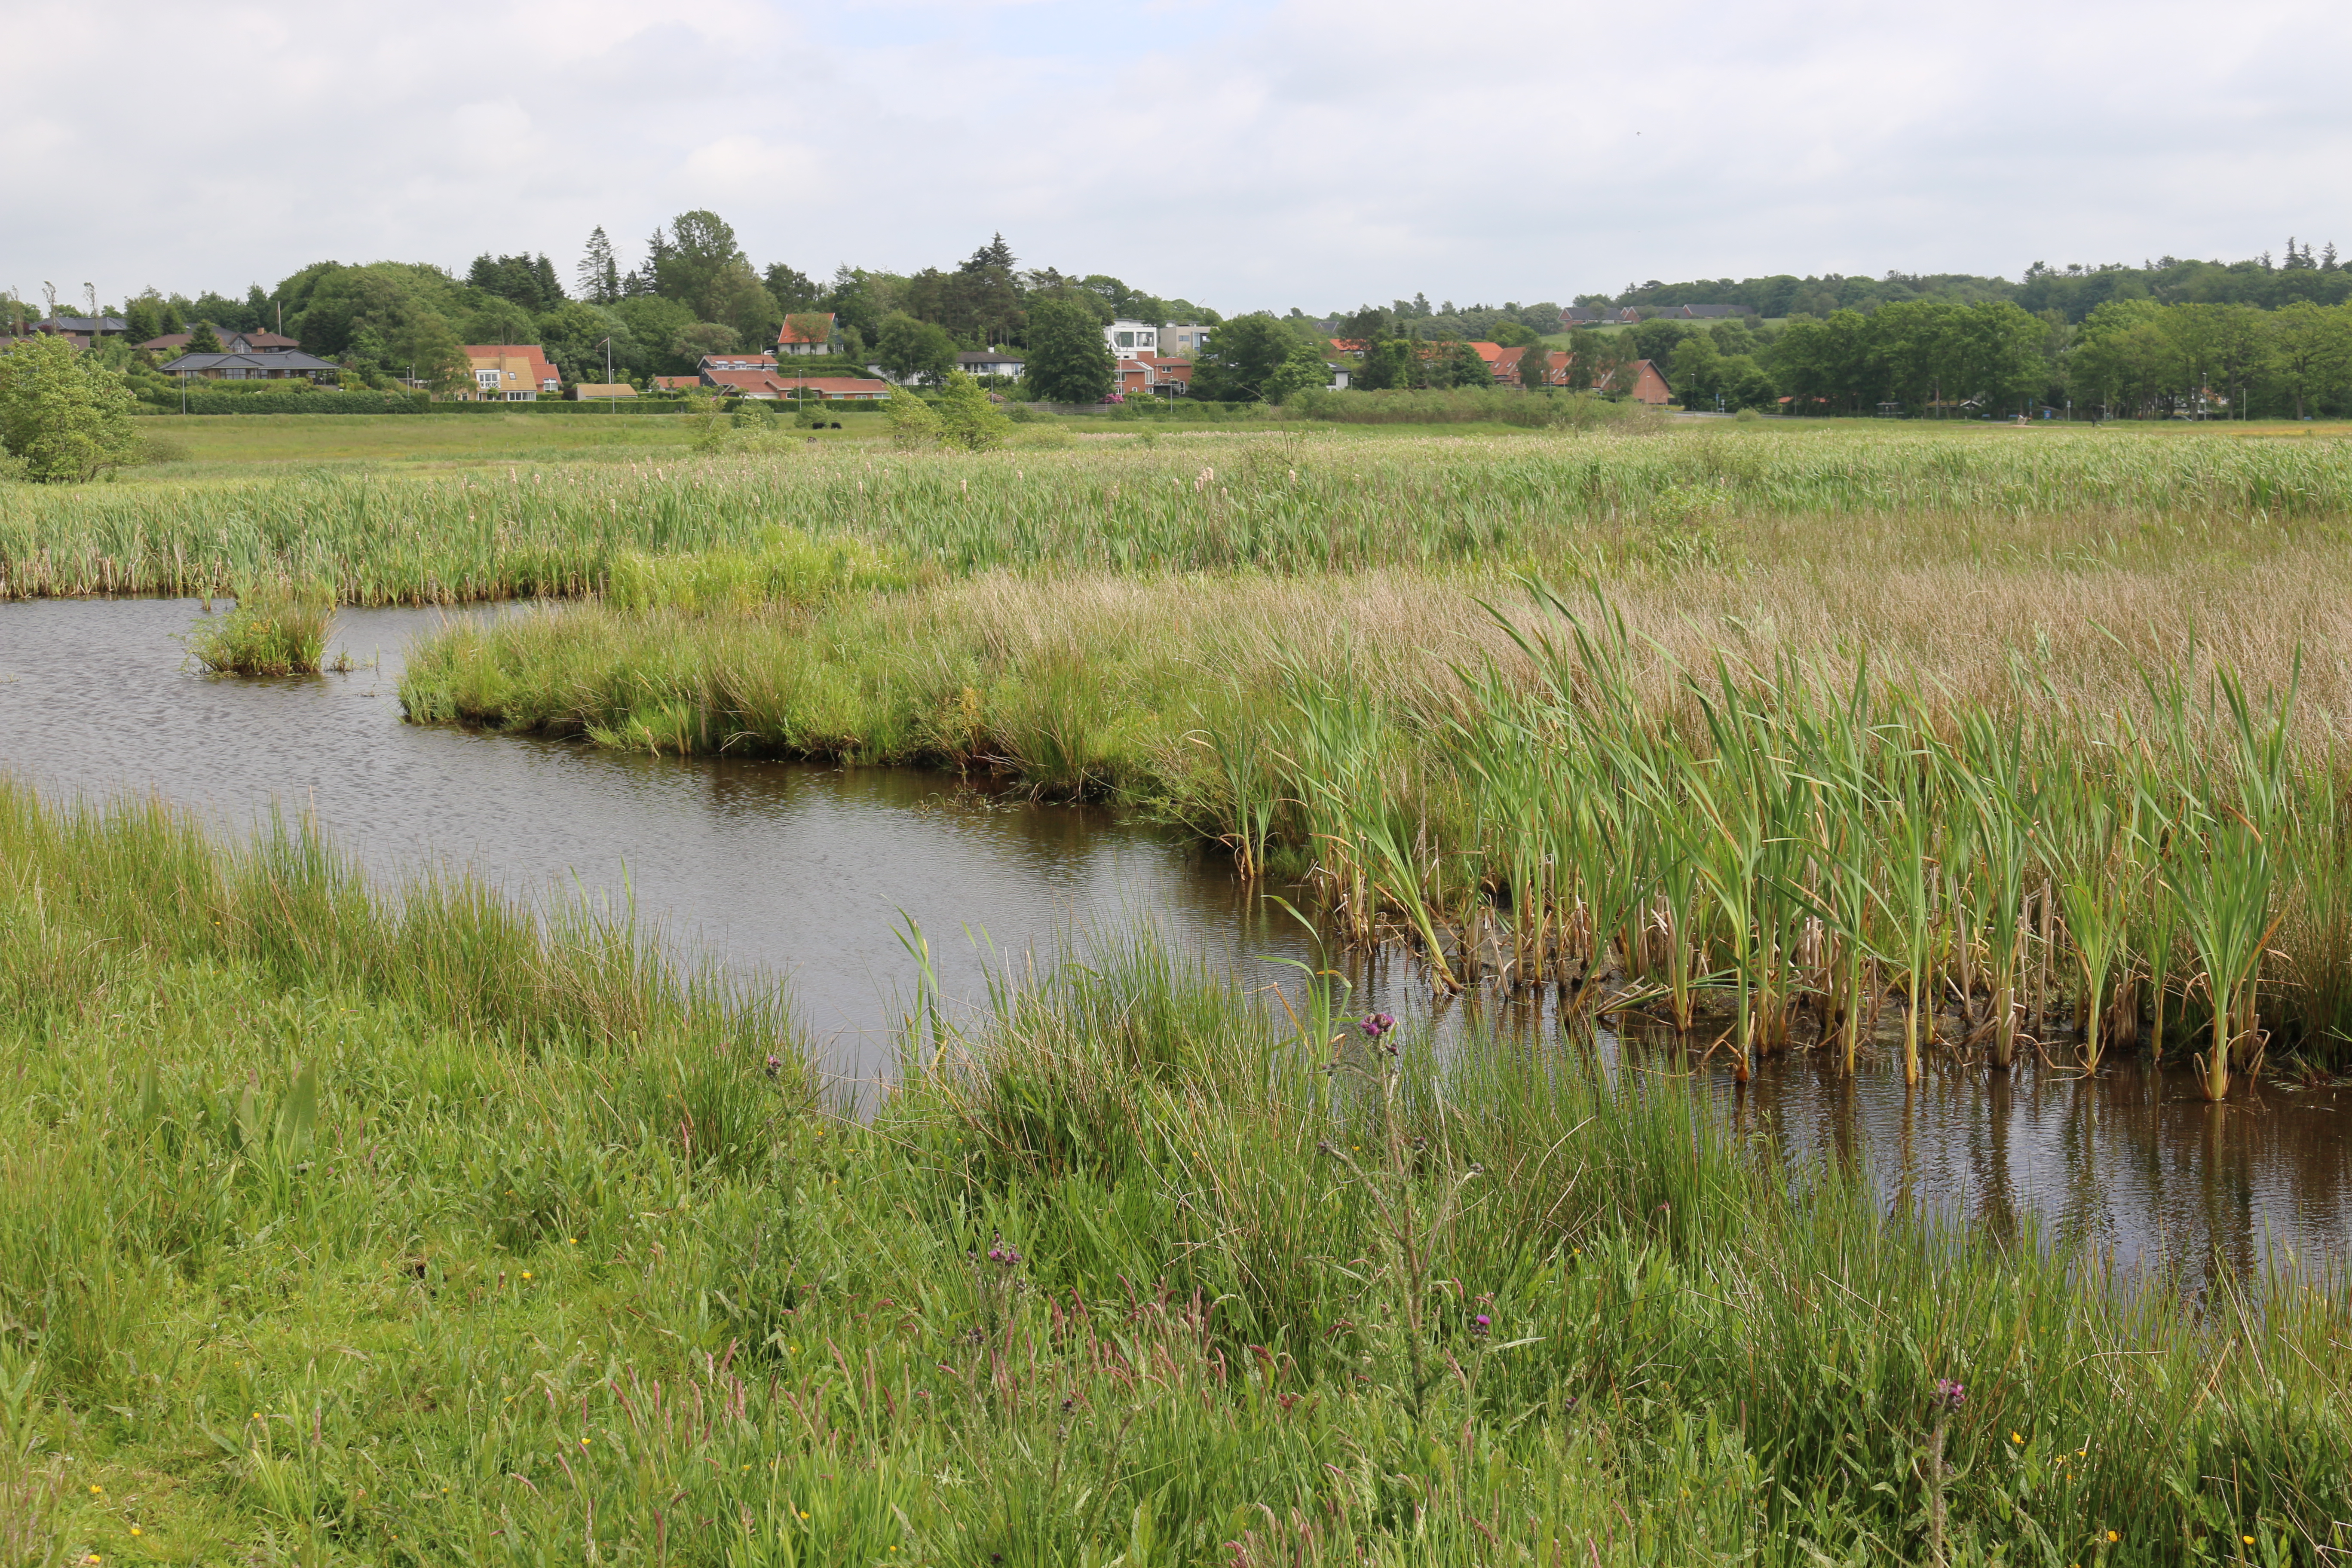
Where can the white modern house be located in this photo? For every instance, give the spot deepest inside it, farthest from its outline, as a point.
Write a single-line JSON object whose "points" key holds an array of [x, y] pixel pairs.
{"points": [[1183, 339], [1128, 339], [991, 361]]}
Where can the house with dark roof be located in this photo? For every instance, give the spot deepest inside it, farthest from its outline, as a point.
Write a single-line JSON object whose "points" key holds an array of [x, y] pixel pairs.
{"points": [[83, 328], [280, 365], [1582, 315], [230, 342]]}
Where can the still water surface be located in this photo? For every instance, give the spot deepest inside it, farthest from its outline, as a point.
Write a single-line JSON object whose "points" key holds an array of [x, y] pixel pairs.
{"points": [[809, 873]]}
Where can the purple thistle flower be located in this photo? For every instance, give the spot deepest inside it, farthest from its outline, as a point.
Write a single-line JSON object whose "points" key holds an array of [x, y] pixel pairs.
{"points": [[1377, 1024], [1949, 1394], [1480, 1324]]}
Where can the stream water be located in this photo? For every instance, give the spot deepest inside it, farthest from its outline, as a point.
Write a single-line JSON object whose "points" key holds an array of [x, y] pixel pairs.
{"points": [[812, 873]]}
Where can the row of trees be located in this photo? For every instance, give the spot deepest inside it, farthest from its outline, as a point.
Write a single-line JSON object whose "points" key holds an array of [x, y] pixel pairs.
{"points": [[2073, 292], [2137, 357], [2131, 359]]}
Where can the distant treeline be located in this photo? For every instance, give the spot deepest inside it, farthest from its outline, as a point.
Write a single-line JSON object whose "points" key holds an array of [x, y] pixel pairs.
{"points": [[2073, 291]]}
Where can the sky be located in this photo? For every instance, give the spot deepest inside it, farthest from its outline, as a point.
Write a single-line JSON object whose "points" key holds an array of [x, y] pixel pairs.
{"points": [[1313, 154]]}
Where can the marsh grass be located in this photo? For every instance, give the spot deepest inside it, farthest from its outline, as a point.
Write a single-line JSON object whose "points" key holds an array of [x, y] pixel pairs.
{"points": [[1283, 501], [274, 630], [421, 1229]]}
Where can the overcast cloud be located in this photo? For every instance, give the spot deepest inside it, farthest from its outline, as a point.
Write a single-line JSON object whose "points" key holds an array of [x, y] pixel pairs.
{"points": [[1304, 153]]}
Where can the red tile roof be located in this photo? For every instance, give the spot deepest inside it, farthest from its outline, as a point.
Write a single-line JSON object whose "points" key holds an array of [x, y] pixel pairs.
{"points": [[757, 382], [541, 372], [789, 333]]}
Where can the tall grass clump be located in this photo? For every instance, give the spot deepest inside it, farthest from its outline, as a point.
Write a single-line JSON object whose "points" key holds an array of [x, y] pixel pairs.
{"points": [[275, 629], [337, 1224]]}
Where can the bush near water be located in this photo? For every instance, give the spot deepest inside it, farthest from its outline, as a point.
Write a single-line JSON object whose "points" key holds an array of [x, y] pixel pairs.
{"points": [[348, 1224]]}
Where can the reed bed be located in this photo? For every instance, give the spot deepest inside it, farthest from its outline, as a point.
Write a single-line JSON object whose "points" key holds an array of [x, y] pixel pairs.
{"points": [[419, 1229], [1282, 500], [2018, 838]]}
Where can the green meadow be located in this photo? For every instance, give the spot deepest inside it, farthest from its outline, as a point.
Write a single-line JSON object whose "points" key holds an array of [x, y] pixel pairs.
{"points": [[394, 1225]]}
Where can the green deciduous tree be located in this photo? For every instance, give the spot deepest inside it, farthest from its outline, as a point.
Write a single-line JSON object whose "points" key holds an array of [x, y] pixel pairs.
{"points": [[1388, 364], [573, 336], [967, 418], [689, 344], [328, 304], [425, 346], [2311, 352], [498, 320], [700, 246], [916, 351], [655, 323], [1305, 368], [791, 288], [64, 416], [1243, 357], [913, 422], [1695, 369], [1459, 364], [737, 297], [1068, 361], [143, 318], [1743, 383]]}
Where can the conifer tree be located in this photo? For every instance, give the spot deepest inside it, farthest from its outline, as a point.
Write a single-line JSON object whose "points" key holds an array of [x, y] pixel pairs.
{"points": [[599, 273]]}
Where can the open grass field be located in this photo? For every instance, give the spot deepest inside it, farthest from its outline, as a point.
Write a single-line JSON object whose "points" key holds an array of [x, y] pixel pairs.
{"points": [[343, 1225]]}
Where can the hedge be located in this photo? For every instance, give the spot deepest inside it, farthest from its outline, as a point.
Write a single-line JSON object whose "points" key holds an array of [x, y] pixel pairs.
{"points": [[316, 400]]}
